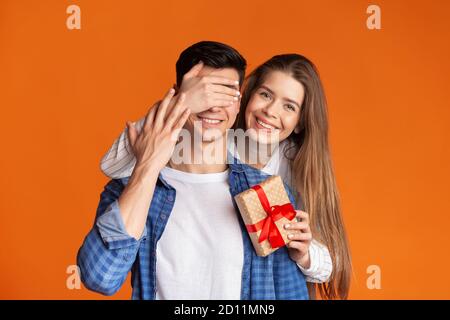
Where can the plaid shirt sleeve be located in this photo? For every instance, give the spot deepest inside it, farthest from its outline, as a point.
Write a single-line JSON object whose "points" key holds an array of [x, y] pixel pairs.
{"points": [[108, 251]]}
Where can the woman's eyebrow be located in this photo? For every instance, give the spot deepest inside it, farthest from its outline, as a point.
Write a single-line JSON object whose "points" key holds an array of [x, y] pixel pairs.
{"points": [[267, 88], [287, 99], [292, 101]]}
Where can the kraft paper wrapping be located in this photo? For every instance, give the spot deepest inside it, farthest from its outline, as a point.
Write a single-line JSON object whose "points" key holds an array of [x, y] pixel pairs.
{"points": [[252, 211]]}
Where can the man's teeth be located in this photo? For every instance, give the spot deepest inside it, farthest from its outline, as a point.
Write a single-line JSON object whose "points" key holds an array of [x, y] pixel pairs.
{"points": [[212, 121], [265, 125]]}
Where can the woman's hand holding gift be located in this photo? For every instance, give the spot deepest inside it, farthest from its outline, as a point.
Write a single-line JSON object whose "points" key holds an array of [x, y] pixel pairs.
{"points": [[300, 235]]}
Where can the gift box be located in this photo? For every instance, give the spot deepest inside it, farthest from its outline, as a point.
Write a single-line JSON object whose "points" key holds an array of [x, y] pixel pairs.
{"points": [[265, 209]]}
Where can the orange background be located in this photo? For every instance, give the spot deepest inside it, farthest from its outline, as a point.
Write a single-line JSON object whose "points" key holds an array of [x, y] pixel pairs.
{"points": [[66, 95]]}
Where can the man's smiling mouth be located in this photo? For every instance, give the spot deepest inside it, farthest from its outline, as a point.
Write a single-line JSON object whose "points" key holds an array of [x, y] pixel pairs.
{"points": [[211, 121]]}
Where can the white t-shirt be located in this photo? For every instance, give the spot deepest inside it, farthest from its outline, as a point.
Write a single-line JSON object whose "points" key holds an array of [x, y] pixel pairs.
{"points": [[200, 254]]}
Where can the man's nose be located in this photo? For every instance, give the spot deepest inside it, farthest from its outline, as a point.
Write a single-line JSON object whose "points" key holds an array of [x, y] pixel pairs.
{"points": [[214, 109]]}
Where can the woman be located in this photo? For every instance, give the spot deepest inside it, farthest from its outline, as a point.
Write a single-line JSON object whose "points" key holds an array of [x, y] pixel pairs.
{"points": [[284, 98]]}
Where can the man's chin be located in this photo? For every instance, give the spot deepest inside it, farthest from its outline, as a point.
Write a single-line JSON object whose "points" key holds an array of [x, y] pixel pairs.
{"points": [[211, 135]]}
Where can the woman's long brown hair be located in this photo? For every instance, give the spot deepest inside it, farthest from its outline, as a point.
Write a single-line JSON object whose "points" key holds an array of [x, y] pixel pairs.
{"points": [[312, 169]]}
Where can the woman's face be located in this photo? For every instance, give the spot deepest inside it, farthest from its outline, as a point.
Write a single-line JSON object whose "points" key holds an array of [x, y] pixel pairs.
{"points": [[274, 108]]}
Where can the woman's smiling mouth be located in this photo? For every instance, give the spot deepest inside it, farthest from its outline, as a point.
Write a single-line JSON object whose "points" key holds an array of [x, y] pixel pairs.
{"points": [[260, 124]]}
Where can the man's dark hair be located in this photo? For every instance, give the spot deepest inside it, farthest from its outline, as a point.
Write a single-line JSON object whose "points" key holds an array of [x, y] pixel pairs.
{"points": [[212, 54]]}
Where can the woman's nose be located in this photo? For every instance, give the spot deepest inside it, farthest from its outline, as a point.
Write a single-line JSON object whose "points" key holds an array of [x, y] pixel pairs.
{"points": [[271, 110]]}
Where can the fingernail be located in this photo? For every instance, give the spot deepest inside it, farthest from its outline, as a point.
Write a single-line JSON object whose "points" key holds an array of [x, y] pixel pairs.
{"points": [[287, 225], [235, 99], [236, 82], [290, 236], [172, 90], [238, 93]]}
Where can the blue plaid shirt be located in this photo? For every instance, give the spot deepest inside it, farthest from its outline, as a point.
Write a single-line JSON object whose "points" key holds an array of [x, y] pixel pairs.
{"points": [[109, 252]]}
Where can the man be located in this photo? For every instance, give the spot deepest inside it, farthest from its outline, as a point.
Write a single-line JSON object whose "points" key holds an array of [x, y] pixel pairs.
{"points": [[174, 225]]}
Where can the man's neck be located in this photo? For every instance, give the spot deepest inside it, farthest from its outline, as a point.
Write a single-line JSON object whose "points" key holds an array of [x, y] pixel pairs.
{"points": [[208, 157]]}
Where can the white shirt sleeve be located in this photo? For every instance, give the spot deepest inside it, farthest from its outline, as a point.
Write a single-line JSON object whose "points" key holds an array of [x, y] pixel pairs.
{"points": [[119, 161], [321, 264]]}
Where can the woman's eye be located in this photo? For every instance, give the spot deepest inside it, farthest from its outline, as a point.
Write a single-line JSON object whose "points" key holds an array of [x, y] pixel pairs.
{"points": [[264, 94], [290, 107]]}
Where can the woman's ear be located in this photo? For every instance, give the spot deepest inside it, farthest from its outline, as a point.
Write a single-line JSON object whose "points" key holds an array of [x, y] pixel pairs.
{"points": [[297, 129]]}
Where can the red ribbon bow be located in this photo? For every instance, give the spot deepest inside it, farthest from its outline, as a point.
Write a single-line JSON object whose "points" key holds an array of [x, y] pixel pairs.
{"points": [[269, 229]]}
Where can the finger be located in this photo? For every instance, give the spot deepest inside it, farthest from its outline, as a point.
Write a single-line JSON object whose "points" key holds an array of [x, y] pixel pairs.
{"points": [[304, 216], [221, 103], [132, 133], [224, 90], [182, 119], [150, 117], [138, 125], [303, 226], [300, 246], [222, 96], [222, 81], [176, 111], [160, 116], [194, 71], [300, 236]]}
